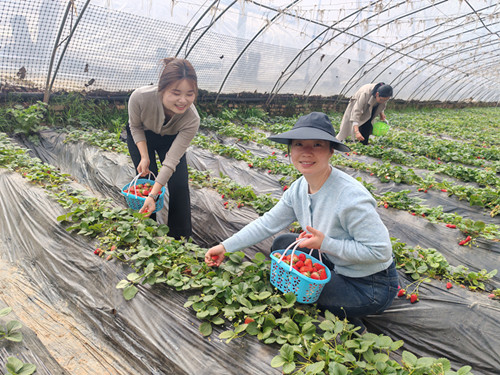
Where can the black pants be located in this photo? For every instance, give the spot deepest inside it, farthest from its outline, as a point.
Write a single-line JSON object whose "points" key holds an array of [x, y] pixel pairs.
{"points": [[366, 130], [179, 203]]}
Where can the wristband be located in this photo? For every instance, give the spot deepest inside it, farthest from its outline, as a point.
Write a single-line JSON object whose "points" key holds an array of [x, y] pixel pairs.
{"points": [[154, 196]]}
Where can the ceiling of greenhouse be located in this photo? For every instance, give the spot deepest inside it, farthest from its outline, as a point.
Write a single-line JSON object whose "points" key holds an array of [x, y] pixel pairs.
{"points": [[427, 50]]}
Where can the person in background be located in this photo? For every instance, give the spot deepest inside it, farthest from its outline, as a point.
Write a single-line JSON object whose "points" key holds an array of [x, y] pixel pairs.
{"points": [[366, 104], [340, 219], [163, 121]]}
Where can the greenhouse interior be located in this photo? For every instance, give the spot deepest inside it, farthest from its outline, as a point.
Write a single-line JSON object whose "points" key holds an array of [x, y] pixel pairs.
{"points": [[155, 156]]}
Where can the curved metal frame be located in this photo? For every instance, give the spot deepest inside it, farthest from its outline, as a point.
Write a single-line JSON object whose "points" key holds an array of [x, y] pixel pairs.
{"points": [[278, 14], [272, 94], [194, 26], [368, 33], [329, 40], [433, 77], [410, 75], [466, 73], [406, 47], [48, 86]]}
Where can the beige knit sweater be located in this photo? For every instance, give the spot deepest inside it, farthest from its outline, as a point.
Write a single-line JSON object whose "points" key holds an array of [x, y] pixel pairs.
{"points": [[145, 110]]}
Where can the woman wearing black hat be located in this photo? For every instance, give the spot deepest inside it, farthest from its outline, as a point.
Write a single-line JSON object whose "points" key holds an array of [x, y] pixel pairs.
{"points": [[368, 102], [340, 218]]}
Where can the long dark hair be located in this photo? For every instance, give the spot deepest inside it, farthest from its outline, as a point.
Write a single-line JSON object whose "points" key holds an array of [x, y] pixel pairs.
{"points": [[175, 70], [383, 90]]}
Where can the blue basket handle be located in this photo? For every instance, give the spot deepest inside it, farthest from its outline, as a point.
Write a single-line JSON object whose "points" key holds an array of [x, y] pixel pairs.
{"points": [[135, 179], [296, 244]]}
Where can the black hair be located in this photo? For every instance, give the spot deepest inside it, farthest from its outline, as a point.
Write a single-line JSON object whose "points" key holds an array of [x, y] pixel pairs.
{"points": [[383, 90]]}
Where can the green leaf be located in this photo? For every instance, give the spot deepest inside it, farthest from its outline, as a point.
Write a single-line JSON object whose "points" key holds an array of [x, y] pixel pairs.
{"points": [[291, 327], [315, 368], [5, 311], [409, 358], [289, 367], [122, 284], [425, 362], [278, 361], [206, 328], [217, 321], [27, 369], [464, 370], [15, 336], [13, 365], [227, 335], [337, 369], [13, 325], [129, 292], [287, 352], [134, 277]]}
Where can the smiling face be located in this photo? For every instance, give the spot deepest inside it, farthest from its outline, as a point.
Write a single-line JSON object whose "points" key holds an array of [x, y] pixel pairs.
{"points": [[311, 157], [178, 97]]}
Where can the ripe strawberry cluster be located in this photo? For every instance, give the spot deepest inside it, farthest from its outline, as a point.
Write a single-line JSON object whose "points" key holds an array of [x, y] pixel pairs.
{"points": [[305, 266], [141, 190]]}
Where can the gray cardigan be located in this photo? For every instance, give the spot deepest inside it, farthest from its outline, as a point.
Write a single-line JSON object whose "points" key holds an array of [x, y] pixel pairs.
{"points": [[356, 240]]}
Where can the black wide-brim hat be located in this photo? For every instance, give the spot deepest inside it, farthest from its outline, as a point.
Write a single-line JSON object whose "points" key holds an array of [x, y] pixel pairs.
{"points": [[315, 125]]}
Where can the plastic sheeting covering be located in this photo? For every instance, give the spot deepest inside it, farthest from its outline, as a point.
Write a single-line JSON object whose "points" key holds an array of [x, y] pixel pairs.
{"points": [[155, 334]]}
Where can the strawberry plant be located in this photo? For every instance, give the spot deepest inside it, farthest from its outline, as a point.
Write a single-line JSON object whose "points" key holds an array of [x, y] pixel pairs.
{"points": [[11, 332]]}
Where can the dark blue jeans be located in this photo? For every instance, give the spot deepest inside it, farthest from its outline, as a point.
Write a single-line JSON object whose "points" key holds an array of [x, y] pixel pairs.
{"points": [[351, 297], [179, 203]]}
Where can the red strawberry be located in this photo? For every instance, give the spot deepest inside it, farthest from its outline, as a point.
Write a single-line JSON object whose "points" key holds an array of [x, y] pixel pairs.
{"points": [[386, 205], [315, 276], [451, 226], [413, 298], [285, 188], [449, 285], [444, 190], [249, 320], [401, 292], [250, 165], [302, 256]]}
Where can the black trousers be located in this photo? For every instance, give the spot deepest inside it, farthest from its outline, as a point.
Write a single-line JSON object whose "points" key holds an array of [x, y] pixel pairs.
{"points": [[179, 203], [366, 130]]}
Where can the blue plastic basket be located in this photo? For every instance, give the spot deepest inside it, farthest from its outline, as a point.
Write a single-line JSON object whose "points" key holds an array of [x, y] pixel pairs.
{"points": [[286, 279], [135, 202]]}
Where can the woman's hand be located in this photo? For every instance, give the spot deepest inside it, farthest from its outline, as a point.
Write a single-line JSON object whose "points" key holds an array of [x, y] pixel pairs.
{"points": [[148, 207], [215, 255], [143, 167], [382, 116], [358, 136], [313, 238]]}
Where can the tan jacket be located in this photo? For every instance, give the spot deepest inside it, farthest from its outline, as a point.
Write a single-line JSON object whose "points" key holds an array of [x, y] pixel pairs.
{"points": [[358, 111], [145, 112]]}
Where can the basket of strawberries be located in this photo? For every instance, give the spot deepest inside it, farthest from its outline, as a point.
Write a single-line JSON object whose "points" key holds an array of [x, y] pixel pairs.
{"points": [[138, 190], [299, 273]]}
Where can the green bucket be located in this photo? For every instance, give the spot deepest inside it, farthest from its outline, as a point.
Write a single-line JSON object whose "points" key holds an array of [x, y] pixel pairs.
{"points": [[380, 128]]}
